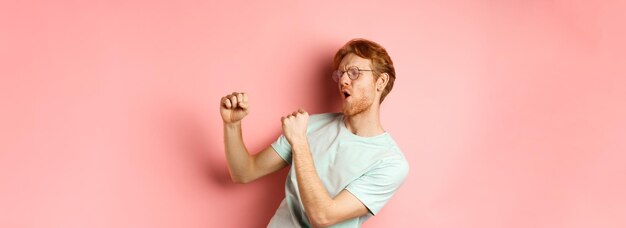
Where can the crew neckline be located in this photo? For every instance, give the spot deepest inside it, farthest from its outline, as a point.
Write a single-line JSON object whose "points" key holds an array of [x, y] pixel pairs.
{"points": [[344, 128]]}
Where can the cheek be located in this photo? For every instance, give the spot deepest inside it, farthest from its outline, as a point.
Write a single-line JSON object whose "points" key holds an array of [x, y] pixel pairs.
{"points": [[367, 90], [364, 94]]}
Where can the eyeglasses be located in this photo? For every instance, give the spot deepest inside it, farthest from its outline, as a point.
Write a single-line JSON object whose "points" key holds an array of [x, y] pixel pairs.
{"points": [[353, 73]]}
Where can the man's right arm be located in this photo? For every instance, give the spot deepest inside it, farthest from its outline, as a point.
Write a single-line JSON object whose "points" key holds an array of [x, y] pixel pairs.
{"points": [[242, 166]]}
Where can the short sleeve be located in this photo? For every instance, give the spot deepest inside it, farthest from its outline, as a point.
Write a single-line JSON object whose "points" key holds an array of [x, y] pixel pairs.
{"points": [[377, 186], [283, 148]]}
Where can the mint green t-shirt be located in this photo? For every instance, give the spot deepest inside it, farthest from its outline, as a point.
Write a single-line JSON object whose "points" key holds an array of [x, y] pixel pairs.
{"points": [[371, 168]]}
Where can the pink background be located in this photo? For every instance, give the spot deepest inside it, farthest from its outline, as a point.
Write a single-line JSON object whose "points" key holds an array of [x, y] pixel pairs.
{"points": [[511, 113]]}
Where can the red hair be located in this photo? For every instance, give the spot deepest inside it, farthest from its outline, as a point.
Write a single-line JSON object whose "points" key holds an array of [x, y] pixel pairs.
{"points": [[381, 62]]}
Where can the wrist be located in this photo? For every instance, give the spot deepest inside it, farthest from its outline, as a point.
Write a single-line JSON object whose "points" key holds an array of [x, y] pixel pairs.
{"points": [[299, 145], [235, 124]]}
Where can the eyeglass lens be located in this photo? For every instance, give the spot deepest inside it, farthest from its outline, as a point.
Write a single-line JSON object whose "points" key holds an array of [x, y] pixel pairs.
{"points": [[353, 74]]}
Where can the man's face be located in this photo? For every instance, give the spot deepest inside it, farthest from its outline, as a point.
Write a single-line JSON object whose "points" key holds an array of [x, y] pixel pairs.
{"points": [[357, 95]]}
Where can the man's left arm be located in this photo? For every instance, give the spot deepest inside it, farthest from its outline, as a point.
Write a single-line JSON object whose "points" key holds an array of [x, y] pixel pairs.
{"points": [[321, 209]]}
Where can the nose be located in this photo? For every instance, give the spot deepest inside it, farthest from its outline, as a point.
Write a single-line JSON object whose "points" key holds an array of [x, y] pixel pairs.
{"points": [[344, 79]]}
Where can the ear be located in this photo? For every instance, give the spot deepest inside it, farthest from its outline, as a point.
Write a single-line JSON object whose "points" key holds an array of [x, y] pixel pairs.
{"points": [[382, 81]]}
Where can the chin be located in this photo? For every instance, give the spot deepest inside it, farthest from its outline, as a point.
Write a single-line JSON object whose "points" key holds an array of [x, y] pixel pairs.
{"points": [[355, 109], [347, 112]]}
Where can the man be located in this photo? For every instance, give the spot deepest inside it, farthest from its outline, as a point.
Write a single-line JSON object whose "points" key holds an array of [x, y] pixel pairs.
{"points": [[344, 166]]}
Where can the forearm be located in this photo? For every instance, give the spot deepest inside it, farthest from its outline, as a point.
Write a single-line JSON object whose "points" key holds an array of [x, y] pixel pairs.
{"points": [[238, 157], [314, 195]]}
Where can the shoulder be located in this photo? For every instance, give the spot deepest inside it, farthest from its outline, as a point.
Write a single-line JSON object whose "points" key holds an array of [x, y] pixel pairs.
{"points": [[393, 170], [323, 117], [394, 158]]}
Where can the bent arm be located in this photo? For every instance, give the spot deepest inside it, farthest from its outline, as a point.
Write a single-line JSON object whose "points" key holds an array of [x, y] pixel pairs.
{"points": [[243, 167], [321, 209]]}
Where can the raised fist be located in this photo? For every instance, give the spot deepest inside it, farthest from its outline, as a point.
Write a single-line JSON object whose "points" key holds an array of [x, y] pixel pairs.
{"points": [[294, 126], [234, 107]]}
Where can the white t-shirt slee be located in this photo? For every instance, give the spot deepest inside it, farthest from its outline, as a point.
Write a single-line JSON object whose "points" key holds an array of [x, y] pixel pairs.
{"points": [[371, 168]]}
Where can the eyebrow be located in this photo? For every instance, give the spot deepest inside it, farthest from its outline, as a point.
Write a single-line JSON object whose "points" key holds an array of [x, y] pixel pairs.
{"points": [[348, 66]]}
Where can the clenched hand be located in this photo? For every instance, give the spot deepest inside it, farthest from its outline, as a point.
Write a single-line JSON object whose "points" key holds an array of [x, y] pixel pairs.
{"points": [[234, 107], [294, 127]]}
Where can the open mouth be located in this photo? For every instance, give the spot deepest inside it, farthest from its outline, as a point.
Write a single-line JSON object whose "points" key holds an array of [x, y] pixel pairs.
{"points": [[346, 94]]}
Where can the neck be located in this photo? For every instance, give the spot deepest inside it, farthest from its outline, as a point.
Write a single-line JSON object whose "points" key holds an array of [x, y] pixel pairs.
{"points": [[367, 123]]}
